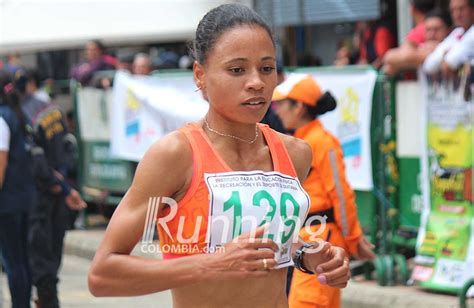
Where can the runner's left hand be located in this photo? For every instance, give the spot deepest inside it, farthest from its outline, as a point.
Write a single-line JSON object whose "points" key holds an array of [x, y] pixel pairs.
{"points": [[330, 263]]}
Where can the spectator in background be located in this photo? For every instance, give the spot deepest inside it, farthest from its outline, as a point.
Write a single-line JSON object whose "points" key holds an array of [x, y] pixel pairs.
{"points": [[167, 59], [417, 36], [461, 54], [72, 165], [437, 26], [125, 62], [39, 93], [142, 64], [96, 60], [105, 80], [17, 193], [462, 13], [418, 11], [49, 218], [13, 63], [375, 40], [343, 55]]}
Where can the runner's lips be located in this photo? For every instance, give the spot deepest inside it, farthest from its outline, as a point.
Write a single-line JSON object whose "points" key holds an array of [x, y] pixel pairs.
{"points": [[254, 101]]}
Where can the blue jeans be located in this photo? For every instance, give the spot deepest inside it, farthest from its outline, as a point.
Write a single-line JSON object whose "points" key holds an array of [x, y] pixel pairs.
{"points": [[13, 245]]}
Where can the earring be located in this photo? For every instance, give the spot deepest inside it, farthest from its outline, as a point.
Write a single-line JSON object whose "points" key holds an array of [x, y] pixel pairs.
{"points": [[197, 89]]}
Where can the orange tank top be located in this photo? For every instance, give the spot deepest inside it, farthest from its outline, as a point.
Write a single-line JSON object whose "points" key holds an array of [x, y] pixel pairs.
{"points": [[191, 236]]}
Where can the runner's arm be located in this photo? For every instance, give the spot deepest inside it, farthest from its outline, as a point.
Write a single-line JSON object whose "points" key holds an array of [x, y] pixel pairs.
{"points": [[113, 270], [163, 172]]}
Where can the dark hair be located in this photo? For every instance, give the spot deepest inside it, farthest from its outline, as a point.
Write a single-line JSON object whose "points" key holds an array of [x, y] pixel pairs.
{"points": [[423, 6], [325, 103], [23, 76], [443, 15], [10, 96], [99, 45], [219, 20]]}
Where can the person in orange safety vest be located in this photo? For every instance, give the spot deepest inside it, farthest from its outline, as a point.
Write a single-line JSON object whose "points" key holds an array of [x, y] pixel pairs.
{"points": [[300, 102]]}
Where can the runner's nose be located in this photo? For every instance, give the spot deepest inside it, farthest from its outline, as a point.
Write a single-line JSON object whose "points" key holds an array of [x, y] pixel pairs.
{"points": [[255, 81]]}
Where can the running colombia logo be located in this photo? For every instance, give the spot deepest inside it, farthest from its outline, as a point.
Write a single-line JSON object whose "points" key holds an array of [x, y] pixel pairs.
{"points": [[186, 245]]}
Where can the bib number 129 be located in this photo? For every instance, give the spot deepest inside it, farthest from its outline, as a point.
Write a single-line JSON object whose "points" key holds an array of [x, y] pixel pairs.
{"points": [[286, 202]]}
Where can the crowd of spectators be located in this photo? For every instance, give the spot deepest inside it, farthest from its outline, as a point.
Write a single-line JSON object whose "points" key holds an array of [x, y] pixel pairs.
{"points": [[440, 41], [97, 60]]}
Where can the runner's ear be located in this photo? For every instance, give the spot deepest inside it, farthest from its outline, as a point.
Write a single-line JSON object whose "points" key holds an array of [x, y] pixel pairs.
{"points": [[199, 74]]}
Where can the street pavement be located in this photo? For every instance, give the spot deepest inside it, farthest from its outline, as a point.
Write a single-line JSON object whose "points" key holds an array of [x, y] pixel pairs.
{"points": [[73, 290], [81, 245], [74, 293]]}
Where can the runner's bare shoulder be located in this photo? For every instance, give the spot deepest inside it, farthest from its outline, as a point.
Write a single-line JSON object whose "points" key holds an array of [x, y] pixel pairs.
{"points": [[165, 167], [300, 153]]}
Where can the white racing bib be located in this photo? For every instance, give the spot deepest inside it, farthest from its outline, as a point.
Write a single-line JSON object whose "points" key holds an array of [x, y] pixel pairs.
{"points": [[242, 201]]}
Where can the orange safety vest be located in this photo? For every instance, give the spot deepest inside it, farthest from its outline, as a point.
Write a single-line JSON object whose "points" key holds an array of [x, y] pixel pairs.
{"points": [[196, 200], [329, 191], [328, 188]]}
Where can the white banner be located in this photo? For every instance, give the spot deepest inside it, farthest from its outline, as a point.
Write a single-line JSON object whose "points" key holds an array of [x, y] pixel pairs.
{"points": [[350, 122], [147, 108], [92, 101]]}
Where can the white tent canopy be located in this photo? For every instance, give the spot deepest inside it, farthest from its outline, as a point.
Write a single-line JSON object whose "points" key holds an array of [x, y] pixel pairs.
{"points": [[30, 25]]}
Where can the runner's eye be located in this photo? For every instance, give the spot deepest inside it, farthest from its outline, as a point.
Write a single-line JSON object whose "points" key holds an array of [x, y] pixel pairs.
{"points": [[236, 70], [268, 69]]}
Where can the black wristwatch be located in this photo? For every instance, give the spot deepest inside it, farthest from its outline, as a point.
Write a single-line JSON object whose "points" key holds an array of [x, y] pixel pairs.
{"points": [[298, 258]]}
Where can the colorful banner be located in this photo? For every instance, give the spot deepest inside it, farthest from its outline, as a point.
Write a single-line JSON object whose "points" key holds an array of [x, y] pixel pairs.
{"points": [[350, 122], [147, 108], [445, 248]]}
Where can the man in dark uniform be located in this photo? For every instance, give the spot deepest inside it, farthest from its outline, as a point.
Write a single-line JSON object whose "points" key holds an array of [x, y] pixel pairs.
{"points": [[49, 219]]}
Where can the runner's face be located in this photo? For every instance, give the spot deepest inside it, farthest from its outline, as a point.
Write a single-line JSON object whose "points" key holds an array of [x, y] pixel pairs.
{"points": [[239, 75]]}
